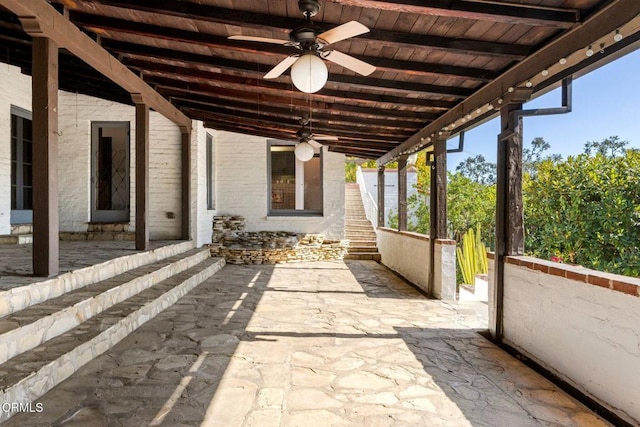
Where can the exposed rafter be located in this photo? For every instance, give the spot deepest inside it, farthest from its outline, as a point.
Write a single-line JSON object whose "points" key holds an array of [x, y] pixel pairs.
{"points": [[512, 13], [283, 24], [40, 19]]}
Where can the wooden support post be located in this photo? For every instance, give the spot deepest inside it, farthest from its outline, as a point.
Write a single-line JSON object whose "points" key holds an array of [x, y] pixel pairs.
{"points": [[437, 202], [402, 193], [186, 184], [45, 157], [142, 174], [381, 196], [509, 206], [440, 158]]}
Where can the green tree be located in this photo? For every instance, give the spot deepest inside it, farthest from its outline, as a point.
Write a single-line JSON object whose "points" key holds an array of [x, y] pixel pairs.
{"points": [[534, 155], [478, 169], [470, 204], [350, 169], [586, 210], [608, 147]]}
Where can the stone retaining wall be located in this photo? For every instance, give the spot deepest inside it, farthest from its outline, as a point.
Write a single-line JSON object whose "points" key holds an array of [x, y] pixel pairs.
{"points": [[270, 247]]}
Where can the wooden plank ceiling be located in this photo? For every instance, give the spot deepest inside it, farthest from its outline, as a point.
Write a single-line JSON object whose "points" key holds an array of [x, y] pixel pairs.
{"points": [[430, 55]]}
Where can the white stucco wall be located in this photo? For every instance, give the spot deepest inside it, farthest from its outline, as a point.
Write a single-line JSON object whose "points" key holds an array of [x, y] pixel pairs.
{"points": [[15, 89], [407, 254], [370, 177], [76, 112], [586, 334], [241, 181], [202, 224]]}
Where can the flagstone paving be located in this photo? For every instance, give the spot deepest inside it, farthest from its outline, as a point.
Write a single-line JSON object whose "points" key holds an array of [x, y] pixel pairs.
{"points": [[309, 344]]}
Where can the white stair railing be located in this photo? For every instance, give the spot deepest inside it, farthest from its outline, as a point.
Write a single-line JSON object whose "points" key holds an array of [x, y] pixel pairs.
{"points": [[370, 205]]}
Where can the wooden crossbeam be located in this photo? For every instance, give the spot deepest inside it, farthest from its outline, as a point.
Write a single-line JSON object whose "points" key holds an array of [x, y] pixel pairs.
{"points": [[40, 19], [283, 25]]}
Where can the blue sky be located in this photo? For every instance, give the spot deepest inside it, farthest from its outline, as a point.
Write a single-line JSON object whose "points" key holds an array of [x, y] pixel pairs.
{"points": [[606, 102]]}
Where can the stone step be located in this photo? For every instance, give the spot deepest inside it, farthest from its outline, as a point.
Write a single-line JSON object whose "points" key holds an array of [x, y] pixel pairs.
{"points": [[364, 256], [361, 237], [356, 249], [362, 243], [22, 229], [359, 222], [18, 298], [364, 227], [30, 375], [16, 239], [23, 330], [369, 233], [97, 235]]}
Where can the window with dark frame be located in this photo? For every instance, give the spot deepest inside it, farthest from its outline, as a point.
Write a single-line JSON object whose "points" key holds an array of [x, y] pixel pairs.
{"points": [[21, 166], [295, 187], [210, 176]]}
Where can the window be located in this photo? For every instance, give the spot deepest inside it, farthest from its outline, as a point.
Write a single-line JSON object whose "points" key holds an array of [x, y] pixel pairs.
{"points": [[21, 166], [295, 186], [210, 175]]}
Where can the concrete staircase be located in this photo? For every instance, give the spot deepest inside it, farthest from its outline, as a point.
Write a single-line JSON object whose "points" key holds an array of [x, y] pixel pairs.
{"points": [[358, 229], [49, 329]]}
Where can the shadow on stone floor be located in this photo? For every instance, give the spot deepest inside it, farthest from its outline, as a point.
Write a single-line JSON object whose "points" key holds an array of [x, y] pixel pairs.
{"points": [[371, 278], [489, 386], [168, 371]]}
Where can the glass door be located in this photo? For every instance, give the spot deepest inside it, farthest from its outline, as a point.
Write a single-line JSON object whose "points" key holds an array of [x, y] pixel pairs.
{"points": [[110, 190]]}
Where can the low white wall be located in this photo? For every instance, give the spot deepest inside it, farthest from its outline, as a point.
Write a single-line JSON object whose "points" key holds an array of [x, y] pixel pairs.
{"points": [[585, 329], [407, 254], [241, 180], [444, 261]]}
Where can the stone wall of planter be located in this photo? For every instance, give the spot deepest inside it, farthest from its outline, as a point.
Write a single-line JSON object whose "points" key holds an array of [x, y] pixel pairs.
{"points": [[237, 246]]}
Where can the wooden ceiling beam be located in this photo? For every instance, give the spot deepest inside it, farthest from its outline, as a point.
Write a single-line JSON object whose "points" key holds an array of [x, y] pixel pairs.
{"points": [[194, 11], [290, 129], [265, 101], [504, 12], [40, 19], [329, 119], [252, 78], [616, 14], [281, 124], [74, 76], [259, 70], [382, 64], [290, 136], [333, 116], [361, 154]]}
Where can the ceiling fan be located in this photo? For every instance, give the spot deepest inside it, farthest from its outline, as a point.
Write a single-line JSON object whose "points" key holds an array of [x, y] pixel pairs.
{"points": [[305, 134], [315, 46], [307, 140]]}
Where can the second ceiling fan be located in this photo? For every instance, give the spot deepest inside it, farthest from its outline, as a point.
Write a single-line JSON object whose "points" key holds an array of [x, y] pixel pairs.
{"points": [[308, 71]]}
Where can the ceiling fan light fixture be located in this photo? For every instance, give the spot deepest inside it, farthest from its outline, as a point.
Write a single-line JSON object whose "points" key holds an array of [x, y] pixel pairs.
{"points": [[309, 73], [304, 151]]}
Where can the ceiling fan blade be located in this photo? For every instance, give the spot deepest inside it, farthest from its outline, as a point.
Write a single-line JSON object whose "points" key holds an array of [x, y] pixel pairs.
{"points": [[348, 61], [325, 137], [281, 67], [258, 39], [341, 32], [314, 144]]}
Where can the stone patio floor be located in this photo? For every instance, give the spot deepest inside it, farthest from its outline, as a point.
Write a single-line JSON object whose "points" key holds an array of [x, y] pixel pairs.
{"points": [[309, 344]]}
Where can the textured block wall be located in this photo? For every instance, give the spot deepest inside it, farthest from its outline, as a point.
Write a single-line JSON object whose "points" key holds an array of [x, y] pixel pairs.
{"points": [[76, 112], [15, 89], [241, 180]]}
